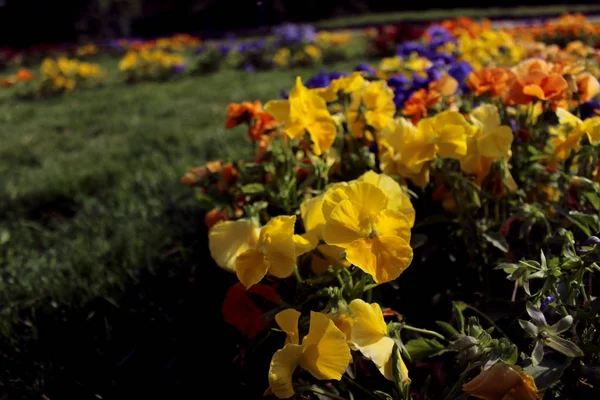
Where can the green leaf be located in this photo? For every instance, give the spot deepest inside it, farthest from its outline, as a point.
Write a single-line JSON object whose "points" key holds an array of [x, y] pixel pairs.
{"points": [[536, 314], [547, 373], [457, 309], [538, 353], [563, 346], [593, 198], [447, 328], [497, 240], [562, 325], [529, 328], [253, 188], [383, 395], [590, 220], [422, 348], [205, 201], [574, 220]]}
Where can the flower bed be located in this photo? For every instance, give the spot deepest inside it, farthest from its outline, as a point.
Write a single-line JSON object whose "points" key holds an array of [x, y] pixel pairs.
{"points": [[426, 228]]}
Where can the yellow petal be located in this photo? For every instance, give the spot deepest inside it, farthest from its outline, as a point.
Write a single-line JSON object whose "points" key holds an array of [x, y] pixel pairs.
{"points": [[344, 322], [369, 335], [295, 130], [332, 197], [288, 322], [277, 238], [250, 267], [495, 143], [303, 244], [384, 257], [470, 162], [371, 198], [592, 127], [486, 116], [566, 118], [451, 130], [311, 211], [387, 369], [283, 364], [369, 326], [346, 224], [397, 198], [325, 354], [228, 239], [322, 132], [393, 223], [279, 109]]}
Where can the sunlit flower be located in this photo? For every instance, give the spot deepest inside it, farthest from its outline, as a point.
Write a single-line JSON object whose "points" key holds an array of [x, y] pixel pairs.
{"points": [[374, 103], [406, 151], [324, 352], [495, 81], [370, 336], [534, 80], [374, 237], [305, 111]]}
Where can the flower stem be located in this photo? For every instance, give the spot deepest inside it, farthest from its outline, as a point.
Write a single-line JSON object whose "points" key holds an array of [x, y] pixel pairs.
{"points": [[297, 275], [424, 331]]}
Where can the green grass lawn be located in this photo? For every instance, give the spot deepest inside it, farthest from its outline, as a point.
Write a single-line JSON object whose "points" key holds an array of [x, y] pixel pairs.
{"points": [[85, 179]]}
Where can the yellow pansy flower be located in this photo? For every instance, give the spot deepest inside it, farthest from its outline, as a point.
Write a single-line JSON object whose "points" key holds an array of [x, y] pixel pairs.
{"points": [[375, 103], [305, 111], [449, 130], [567, 136], [67, 67], [50, 68], [311, 211], [398, 199], [346, 84], [228, 239], [490, 141], [406, 151], [493, 139], [129, 62], [282, 57], [374, 237], [370, 336], [251, 252], [275, 252], [313, 51], [324, 352]]}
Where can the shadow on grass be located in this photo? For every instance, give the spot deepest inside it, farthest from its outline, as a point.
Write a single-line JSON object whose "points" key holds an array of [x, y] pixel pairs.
{"points": [[163, 336]]}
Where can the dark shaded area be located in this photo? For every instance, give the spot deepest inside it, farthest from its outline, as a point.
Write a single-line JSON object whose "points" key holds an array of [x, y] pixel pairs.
{"points": [[163, 336], [25, 23]]}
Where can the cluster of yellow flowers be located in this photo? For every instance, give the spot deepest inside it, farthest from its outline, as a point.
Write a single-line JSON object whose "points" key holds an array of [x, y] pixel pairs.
{"points": [[490, 48], [307, 55], [407, 150], [150, 64], [87, 50], [391, 66], [65, 74]]}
